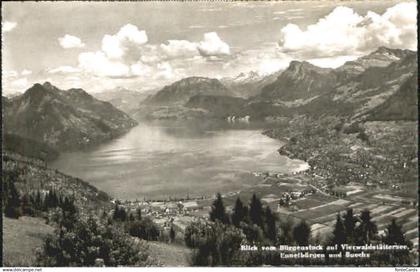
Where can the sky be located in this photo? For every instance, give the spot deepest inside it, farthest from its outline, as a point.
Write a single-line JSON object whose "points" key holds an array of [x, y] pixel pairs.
{"points": [[99, 46]]}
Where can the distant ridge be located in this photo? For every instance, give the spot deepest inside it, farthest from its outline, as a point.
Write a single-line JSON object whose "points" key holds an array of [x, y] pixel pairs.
{"points": [[63, 120], [181, 91]]}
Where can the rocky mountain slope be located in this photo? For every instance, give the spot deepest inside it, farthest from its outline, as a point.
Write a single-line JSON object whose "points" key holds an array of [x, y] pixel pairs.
{"points": [[218, 106], [381, 57], [377, 85], [246, 85], [124, 99], [170, 102], [353, 90], [301, 80], [402, 105], [64, 120], [178, 93]]}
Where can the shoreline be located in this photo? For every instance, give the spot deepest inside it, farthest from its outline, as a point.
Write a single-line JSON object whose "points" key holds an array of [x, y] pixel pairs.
{"points": [[242, 173]]}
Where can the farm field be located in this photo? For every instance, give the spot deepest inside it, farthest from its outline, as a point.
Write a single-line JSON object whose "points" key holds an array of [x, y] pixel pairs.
{"points": [[320, 210]]}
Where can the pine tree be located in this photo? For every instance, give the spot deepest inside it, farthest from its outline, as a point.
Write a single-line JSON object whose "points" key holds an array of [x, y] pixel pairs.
{"points": [[60, 199], [286, 236], [349, 225], [40, 205], [54, 199], [116, 211], [138, 213], [26, 205], [172, 234], [301, 233], [395, 236], [239, 213], [68, 205], [218, 211], [123, 214], [119, 213], [256, 211], [11, 198], [69, 212], [367, 229], [246, 212], [270, 222], [339, 232], [48, 201]]}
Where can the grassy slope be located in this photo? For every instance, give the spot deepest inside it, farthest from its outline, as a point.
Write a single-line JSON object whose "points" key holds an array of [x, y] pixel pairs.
{"points": [[169, 255], [21, 238]]}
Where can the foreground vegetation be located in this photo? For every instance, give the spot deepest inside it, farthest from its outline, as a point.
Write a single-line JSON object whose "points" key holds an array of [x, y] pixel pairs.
{"points": [[218, 242], [81, 235]]}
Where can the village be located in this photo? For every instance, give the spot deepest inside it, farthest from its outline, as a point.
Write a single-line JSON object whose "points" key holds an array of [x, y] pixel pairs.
{"points": [[300, 196]]}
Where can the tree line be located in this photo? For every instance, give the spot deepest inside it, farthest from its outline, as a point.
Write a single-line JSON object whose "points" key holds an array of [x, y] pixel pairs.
{"points": [[16, 204], [134, 223], [217, 242], [80, 238]]}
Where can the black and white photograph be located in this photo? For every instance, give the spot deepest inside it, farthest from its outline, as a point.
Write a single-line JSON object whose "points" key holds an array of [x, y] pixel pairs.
{"points": [[209, 134]]}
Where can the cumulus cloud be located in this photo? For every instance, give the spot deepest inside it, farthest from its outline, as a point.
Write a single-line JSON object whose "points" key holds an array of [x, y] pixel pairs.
{"points": [[21, 83], [265, 59], [8, 74], [210, 46], [140, 69], [195, 26], [7, 26], [72, 82], [69, 41], [269, 66], [12, 84], [26, 72], [127, 54], [332, 62], [118, 56], [180, 48], [125, 43], [122, 55], [165, 71], [64, 70], [213, 45], [99, 64], [344, 32]]}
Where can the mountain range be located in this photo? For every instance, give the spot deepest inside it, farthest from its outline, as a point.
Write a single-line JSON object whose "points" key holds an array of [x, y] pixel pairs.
{"points": [[124, 99], [178, 93], [62, 119], [246, 85], [379, 86], [367, 88], [172, 100]]}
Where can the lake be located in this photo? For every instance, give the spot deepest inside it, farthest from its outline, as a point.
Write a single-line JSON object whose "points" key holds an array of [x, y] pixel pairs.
{"points": [[170, 159]]}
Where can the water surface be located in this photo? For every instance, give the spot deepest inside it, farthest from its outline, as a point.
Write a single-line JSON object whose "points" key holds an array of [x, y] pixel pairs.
{"points": [[162, 159]]}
